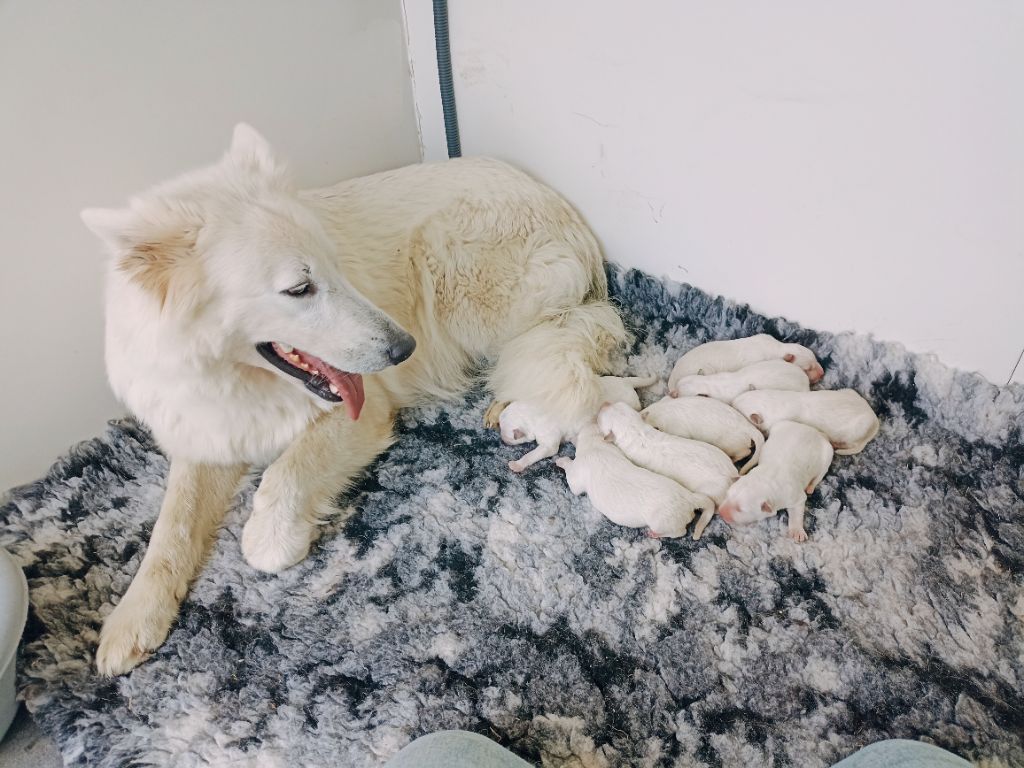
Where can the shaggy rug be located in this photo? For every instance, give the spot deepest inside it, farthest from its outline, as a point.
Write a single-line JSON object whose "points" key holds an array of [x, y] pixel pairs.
{"points": [[458, 595]]}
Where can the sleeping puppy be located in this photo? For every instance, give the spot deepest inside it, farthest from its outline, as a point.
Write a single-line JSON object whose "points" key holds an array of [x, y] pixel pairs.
{"points": [[710, 421], [725, 356], [698, 466], [629, 495], [842, 415], [521, 422], [794, 460], [770, 374]]}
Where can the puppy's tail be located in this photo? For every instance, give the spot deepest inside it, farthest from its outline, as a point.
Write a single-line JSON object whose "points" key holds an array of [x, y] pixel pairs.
{"points": [[757, 442], [555, 364]]}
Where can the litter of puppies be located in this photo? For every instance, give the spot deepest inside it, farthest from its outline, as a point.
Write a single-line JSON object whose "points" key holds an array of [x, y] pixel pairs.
{"points": [[744, 401]]}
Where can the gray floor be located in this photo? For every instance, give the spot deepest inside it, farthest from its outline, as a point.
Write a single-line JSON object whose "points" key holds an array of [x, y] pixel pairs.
{"points": [[25, 746]]}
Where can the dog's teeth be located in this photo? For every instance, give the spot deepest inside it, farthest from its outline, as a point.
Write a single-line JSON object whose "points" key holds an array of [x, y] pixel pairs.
{"points": [[334, 389]]}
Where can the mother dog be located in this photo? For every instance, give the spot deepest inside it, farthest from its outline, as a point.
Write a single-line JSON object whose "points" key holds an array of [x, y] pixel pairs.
{"points": [[241, 313]]}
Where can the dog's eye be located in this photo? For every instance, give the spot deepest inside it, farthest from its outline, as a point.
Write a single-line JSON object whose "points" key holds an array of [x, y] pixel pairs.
{"points": [[304, 288]]}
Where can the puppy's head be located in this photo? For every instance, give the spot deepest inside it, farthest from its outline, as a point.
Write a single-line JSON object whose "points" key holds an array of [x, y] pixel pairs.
{"points": [[613, 418], [803, 357], [746, 503], [515, 425], [232, 260]]}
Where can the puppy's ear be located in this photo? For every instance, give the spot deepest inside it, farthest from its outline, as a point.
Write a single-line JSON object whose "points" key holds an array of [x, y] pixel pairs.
{"points": [[756, 419], [154, 246], [518, 434], [767, 508], [788, 358], [610, 437]]}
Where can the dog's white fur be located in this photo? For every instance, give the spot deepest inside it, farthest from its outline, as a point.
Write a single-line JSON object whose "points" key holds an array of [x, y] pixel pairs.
{"points": [[842, 415], [770, 374], [794, 460], [630, 495], [696, 465], [489, 270], [522, 422], [731, 355], [709, 421]]}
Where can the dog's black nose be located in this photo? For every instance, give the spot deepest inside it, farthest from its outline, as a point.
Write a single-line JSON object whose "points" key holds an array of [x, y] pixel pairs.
{"points": [[401, 349]]}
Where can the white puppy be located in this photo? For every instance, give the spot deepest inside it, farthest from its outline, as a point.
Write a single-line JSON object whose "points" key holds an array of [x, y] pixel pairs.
{"points": [[710, 421], [770, 374], [725, 356], [522, 422], [698, 466], [794, 460], [628, 495], [842, 415]]}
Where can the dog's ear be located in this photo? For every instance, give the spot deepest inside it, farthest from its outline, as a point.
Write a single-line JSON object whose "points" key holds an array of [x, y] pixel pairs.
{"points": [[767, 508], [756, 419], [156, 251], [789, 358], [250, 150]]}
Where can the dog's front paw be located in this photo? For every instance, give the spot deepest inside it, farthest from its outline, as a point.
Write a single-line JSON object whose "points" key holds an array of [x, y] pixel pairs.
{"points": [[275, 537], [798, 535], [136, 627]]}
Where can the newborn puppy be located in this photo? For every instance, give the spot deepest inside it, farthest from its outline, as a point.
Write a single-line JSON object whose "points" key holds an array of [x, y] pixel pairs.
{"points": [[710, 421], [521, 422], [842, 415], [770, 374], [622, 389], [628, 495], [698, 466], [725, 356], [794, 460]]}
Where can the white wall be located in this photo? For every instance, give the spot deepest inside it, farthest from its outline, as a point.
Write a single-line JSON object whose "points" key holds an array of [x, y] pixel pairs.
{"points": [[851, 166], [98, 100]]}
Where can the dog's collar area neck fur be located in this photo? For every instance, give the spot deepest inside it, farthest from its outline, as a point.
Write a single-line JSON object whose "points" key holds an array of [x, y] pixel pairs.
{"points": [[322, 379]]}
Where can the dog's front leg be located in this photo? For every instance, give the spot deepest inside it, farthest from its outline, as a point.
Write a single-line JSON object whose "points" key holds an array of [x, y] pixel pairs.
{"points": [[297, 491], [195, 503]]}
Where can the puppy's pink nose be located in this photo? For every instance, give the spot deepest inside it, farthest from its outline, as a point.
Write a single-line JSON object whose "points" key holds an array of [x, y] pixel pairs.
{"points": [[816, 374], [725, 513]]}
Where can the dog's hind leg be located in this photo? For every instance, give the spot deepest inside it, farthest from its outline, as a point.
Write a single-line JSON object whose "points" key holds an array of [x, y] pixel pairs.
{"points": [[297, 491], [554, 365], [195, 503]]}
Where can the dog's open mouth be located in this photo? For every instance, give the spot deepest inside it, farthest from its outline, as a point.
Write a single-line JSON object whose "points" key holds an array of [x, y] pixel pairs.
{"points": [[320, 378]]}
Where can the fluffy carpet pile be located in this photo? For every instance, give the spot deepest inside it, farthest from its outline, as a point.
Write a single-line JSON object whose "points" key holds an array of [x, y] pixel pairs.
{"points": [[458, 595]]}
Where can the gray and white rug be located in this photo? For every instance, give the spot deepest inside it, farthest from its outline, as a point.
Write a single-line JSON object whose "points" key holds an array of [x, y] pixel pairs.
{"points": [[458, 595]]}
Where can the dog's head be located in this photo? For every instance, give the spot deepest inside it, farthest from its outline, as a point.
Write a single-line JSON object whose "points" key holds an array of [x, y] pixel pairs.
{"points": [[240, 265]]}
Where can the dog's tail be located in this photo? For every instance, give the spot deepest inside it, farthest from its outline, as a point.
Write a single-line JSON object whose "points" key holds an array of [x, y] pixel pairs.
{"points": [[757, 443], [556, 363]]}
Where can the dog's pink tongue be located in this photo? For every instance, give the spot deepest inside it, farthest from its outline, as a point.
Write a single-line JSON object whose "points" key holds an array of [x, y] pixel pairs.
{"points": [[350, 385]]}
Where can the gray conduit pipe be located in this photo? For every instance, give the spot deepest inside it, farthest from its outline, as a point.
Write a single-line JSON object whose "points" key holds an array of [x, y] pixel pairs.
{"points": [[444, 76]]}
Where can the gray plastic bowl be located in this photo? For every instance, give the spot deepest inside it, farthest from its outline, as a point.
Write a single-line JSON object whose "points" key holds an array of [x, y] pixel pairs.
{"points": [[13, 613]]}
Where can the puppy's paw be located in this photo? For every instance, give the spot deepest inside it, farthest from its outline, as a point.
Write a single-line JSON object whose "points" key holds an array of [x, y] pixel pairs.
{"points": [[276, 536], [493, 414], [136, 627], [799, 535], [516, 467]]}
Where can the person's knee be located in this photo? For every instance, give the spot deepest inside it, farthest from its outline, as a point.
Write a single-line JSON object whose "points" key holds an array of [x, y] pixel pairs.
{"points": [[455, 749]]}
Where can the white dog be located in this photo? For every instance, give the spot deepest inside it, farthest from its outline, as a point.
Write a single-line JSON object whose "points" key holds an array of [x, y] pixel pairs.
{"points": [[770, 374], [629, 495], [731, 355], [842, 415], [709, 421], [794, 460], [520, 422], [241, 312], [698, 466]]}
